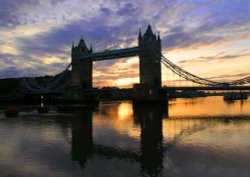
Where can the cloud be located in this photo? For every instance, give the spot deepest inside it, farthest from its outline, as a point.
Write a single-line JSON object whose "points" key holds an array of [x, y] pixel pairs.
{"points": [[9, 19], [229, 76], [28, 66], [198, 24], [222, 56], [108, 75], [39, 32]]}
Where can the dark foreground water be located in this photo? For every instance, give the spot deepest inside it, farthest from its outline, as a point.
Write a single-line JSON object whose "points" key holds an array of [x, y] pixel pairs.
{"points": [[193, 137]]}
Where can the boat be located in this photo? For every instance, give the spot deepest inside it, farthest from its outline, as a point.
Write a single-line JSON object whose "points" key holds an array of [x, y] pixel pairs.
{"points": [[11, 111], [235, 96]]}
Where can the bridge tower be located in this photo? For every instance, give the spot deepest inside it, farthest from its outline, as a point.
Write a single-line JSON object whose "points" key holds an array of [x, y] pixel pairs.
{"points": [[150, 68], [150, 58], [81, 70]]}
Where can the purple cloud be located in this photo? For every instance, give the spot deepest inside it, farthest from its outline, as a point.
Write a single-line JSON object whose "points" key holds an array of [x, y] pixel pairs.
{"points": [[110, 24]]}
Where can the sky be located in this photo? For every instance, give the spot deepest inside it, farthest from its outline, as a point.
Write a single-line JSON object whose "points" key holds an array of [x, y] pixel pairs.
{"points": [[209, 38]]}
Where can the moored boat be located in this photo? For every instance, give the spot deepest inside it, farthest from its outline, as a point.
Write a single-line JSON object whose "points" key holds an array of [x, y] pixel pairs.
{"points": [[235, 96], [11, 111]]}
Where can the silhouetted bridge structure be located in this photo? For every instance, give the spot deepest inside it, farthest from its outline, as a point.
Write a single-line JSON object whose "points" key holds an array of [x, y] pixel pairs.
{"points": [[150, 61], [111, 54], [207, 88]]}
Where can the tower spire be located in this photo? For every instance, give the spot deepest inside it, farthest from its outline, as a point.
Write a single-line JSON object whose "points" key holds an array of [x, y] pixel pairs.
{"points": [[149, 30], [158, 37], [91, 48], [140, 35]]}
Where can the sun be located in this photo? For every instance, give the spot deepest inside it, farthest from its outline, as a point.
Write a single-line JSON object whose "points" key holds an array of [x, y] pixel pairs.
{"points": [[124, 81]]}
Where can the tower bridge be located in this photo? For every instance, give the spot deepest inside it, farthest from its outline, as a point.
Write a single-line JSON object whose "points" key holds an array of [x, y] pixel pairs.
{"points": [[148, 50], [150, 74]]}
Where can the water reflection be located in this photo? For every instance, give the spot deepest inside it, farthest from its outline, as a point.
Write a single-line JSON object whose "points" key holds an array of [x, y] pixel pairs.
{"points": [[207, 107], [82, 137], [151, 151], [154, 142], [117, 110], [150, 120]]}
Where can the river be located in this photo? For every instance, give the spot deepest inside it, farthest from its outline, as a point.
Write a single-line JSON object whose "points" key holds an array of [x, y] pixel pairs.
{"points": [[205, 137]]}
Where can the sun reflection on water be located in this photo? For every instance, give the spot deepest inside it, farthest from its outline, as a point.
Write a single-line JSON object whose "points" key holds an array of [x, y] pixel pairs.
{"points": [[125, 111]]}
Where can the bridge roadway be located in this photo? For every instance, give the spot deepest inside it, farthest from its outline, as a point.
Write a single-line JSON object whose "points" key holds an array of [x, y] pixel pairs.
{"points": [[112, 54], [207, 88], [95, 90], [176, 88]]}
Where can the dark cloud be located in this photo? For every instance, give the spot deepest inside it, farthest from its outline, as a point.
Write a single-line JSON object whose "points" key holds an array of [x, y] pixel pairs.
{"points": [[14, 67], [10, 72], [222, 20], [16, 72], [8, 58], [128, 8], [105, 11], [37, 70], [9, 18]]}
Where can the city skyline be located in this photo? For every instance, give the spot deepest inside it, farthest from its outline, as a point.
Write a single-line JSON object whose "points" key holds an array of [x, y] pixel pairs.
{"points": [[208, 38]]}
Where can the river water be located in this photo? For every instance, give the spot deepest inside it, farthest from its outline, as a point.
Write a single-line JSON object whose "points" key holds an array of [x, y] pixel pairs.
{"points": [[191, 137]]}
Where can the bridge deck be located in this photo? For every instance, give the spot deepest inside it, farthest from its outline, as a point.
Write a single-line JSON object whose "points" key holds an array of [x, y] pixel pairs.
{"points": [[112, 54], [208, 88]]}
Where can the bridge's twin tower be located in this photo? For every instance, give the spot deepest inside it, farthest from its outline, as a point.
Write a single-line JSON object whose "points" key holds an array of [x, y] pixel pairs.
{"points": [[150, 58], [81, 75], [148, 50]]}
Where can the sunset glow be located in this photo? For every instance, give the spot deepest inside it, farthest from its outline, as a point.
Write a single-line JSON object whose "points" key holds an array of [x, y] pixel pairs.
{"points": [[207, 38]]}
